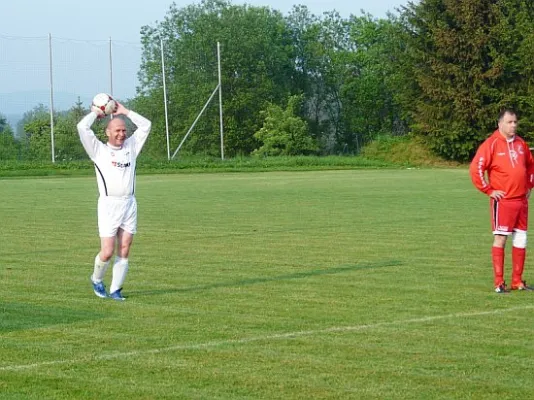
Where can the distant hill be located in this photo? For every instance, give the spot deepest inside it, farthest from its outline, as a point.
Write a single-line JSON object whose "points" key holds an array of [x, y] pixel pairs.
{"points": [[14, 105], [13, 119], [20, 102]]}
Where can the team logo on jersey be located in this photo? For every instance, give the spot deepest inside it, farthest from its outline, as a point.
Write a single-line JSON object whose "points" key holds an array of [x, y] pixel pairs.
{"points": [[520, 150], [513, 154], [119, 164]]}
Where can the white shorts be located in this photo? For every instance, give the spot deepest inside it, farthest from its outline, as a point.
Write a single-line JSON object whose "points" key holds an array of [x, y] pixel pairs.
{"points": [[115, 213]]}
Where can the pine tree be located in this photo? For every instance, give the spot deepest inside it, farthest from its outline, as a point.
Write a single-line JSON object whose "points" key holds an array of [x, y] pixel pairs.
{"points": [[469, 59]]}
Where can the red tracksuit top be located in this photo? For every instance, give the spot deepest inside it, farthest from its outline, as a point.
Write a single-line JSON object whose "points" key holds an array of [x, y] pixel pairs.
{"points": [[508, 163]]}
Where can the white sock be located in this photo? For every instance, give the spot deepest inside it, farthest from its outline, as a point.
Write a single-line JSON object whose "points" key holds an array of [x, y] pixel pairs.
{"points": [[100, 269], [120, 268]]}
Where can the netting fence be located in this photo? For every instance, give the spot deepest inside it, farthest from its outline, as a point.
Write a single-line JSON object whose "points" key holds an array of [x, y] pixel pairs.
{"points": [[50, 75]]}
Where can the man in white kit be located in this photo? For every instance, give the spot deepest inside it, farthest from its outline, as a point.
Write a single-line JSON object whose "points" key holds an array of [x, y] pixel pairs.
{"points": [[117, 207]]}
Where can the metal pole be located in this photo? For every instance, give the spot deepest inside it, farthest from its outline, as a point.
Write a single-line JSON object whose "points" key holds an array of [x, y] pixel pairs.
{"points": [[110, 68], [51, 98], [165, 99], [196, 120], [220, 99]]}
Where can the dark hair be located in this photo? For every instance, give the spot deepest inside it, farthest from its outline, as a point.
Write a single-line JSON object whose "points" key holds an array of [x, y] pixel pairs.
{"points": [[506, 111]]}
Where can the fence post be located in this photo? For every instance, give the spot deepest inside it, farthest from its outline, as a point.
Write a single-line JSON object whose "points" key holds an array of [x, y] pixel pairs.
{"points": [[220, 99], [110, 68], [51, 98], [165, 98]]}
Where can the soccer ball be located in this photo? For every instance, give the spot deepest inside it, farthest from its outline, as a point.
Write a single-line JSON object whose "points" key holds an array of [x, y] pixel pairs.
{"points": [[105, 102]]}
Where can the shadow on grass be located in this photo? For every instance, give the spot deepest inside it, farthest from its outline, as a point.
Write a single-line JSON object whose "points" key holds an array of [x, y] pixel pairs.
{"points": [[19, 316], [253, 281], [40, 251]]}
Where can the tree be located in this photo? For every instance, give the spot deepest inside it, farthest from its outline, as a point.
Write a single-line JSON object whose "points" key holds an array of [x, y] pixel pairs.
{"points": [[66, 141], [322, 52], [305, 31], [38, 139], [34, 130], [469, 59], [9, 147], [349, 72], [283, 132], [257, 69], [370, 93]]}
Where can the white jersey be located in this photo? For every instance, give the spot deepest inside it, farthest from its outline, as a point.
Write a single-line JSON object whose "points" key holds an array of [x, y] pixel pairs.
{"points": [[115, 168]]}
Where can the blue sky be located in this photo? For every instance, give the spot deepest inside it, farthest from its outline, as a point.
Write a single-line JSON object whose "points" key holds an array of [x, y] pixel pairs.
{"points": [[122, 21], [81, 32]]}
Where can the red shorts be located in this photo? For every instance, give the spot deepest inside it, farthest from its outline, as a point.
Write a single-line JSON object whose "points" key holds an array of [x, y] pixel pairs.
{"points": [[508, 216]]}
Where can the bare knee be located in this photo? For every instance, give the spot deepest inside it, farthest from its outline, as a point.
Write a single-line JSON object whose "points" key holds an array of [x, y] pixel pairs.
{"points": [[125, 240], [499, 240], [123, 250], [105, 255], [107, 246]]}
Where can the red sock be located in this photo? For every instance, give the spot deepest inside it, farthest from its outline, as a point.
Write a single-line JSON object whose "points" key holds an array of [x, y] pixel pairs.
{"points": [[497, 256], [518, 265]]}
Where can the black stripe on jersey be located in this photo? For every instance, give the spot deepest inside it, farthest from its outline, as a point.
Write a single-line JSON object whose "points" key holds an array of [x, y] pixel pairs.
{"points": [[103, 180], [133, 184], [495, 214]]}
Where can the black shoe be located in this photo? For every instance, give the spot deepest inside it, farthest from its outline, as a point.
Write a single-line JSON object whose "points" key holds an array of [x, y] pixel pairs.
{"points": [[501, 288], [522, 286]]}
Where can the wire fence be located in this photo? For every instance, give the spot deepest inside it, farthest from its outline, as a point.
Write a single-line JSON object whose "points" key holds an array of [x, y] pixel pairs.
{"points": [[30, 67], [49, 75]]}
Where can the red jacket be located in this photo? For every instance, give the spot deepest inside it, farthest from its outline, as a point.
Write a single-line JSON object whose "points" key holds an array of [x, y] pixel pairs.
{"points": [[508, 163]]}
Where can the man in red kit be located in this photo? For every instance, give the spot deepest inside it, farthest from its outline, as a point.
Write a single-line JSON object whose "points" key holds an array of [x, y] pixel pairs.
{"points": [[508, 163]]}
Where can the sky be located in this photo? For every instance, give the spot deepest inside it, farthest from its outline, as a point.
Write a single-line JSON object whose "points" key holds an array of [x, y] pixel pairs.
{"points": [[81, 33], [121, 20]]}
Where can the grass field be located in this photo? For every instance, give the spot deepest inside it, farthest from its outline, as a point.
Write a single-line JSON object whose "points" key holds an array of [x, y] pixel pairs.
{"points": [[372, 284]]}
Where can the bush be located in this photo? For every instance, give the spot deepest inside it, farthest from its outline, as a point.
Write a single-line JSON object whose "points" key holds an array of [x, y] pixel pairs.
{"points": [[403, 150]]}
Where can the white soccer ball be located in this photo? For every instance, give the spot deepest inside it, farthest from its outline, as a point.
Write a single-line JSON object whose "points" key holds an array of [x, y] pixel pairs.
{"points": [[105, 102]]}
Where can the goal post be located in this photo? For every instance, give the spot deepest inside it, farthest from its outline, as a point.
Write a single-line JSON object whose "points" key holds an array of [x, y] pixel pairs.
{"points": [[195, 121], [218, 89]]}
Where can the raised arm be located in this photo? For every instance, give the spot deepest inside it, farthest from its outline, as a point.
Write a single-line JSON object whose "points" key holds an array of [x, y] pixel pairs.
{"points": [[143, 126], [89, 141], [143, 129]]}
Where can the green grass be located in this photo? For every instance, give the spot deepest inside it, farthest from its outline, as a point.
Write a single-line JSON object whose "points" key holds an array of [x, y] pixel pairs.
{"points": [[9, 169], [281, 285]]}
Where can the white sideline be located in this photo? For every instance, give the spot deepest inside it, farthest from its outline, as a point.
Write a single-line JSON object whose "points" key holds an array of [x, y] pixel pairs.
{"points": [[205, 345]]}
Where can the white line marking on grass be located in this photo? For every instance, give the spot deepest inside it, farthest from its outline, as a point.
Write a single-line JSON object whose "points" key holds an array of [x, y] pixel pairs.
{"points": [[287, 335]]}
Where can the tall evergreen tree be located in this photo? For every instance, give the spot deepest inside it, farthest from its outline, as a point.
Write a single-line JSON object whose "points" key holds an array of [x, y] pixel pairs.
{"points": [[469, 59]]}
